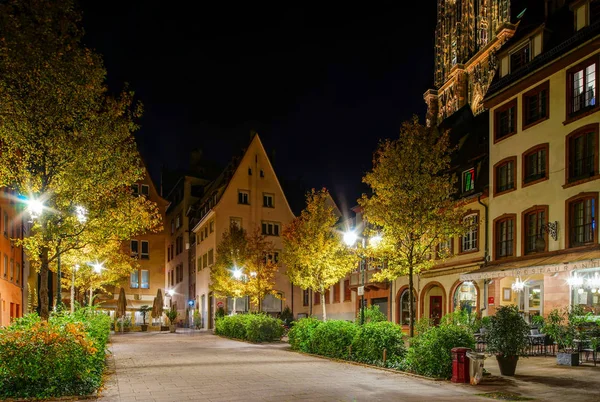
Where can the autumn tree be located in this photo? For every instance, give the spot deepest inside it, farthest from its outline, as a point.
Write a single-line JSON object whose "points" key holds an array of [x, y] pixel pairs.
{"points": [[260, 268], [313, 251], [226, 275], [64, 140], [412, 202]]}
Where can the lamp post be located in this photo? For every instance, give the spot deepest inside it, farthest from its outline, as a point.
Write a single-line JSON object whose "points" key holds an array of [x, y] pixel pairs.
{"points": [[75, 268], [350, 240]]}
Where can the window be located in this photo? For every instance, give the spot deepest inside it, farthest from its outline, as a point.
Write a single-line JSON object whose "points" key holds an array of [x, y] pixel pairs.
{"points": [[469, 241], [347, 291], [504, 234], [536, 105], [172, 277], [172, 253], [270, 228], [145, 250], [249, 171], [5, 266], [519, 57], [172, 226], [178, 221], [178, 245], [243, 197], [505, 175], [535, 165], [272, 257], [134, 248], [582, 153], [305, 297], [145, 190], [5, 224], [145, 279], [405, 307], [18, 273], [535, 239], [134, 280], [237, 222], [180, 273], [135, 189], [211, 257], [202, 234], [205, 260], [205, 234], [168, 253], [581, 18], [211, 226], [272, 303], [200, 266], [262, 173], [268, 200], [327, 296], [12, 269], [445, 248], [317, 298], [468, 178], [505, 120], [336, 292], [582, 90], [582, 219]]}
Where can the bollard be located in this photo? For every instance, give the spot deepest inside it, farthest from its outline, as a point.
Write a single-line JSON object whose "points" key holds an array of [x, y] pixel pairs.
{"points": [[384, 356]]}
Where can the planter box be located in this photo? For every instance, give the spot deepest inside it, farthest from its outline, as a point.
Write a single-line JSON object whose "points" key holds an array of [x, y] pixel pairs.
{"points": [[567, 359]]}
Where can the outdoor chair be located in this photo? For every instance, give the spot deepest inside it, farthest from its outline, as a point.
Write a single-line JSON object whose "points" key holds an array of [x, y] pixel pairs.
{"points": [[537, 342]]}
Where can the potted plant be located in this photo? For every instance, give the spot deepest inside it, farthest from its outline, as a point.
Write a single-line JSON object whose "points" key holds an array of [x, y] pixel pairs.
{"points": [[507, 338], [172, 316], [144, 310], [562, 326]]}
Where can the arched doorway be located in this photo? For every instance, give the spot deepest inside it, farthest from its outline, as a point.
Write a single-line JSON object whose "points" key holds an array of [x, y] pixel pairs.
{"points": [[403, 306], [433, 302], [466, 296]]}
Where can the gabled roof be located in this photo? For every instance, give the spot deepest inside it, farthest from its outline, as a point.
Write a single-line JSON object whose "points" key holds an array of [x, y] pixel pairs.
{"points": [[215, 189]]}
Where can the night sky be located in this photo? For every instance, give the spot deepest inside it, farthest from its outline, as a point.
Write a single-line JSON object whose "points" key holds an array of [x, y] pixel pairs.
{"points": [[321, 83]]}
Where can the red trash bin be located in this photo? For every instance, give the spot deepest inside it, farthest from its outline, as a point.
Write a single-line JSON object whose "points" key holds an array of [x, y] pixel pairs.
{"points": [[460, 365]]}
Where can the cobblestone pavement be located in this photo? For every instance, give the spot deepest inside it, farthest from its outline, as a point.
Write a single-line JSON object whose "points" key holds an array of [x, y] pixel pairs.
{"points": [[196, 366]]}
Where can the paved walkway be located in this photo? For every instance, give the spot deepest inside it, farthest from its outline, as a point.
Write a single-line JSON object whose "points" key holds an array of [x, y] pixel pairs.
{"points": [[198, 366]]}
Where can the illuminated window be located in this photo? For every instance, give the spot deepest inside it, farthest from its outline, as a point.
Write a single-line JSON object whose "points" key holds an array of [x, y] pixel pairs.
{"points": [[468, 180], [469, 241], [505, 237], [134, 280], [145, 279], [582, 89]]}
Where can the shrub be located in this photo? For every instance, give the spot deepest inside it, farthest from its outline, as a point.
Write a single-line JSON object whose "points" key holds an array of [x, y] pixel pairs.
{"points": [[250, 327], [332, 338], [263, 328], [372, 314], [371, 339], [301, 334], [64, 356], [430, 353]]}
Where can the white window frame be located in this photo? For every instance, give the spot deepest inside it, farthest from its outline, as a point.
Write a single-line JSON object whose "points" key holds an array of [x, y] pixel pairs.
{"points": [[244, 194], [268, 228], [470, 240], [268, 200]]}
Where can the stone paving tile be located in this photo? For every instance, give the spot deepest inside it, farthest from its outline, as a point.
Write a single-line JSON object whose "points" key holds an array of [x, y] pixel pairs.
{"points": [[198, 366]]}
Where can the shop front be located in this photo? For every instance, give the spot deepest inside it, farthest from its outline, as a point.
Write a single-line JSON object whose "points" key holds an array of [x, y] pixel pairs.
{"points": [[539, 285]]}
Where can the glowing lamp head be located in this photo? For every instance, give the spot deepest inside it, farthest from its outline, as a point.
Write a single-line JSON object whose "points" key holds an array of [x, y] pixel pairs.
{"points": [[81, 214], [97, 268], [35, 207], [171, 292], [350, 238], [237, 273], [76, 267], [253, 274]]}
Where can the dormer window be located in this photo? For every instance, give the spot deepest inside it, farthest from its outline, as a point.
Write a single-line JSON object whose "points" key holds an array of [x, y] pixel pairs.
{"points": [[580, 12], [468, 180], [520, 57]]}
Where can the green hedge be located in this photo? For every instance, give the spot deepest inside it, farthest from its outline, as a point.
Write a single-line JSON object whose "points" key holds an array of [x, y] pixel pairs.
{"points": [[301, 334], [430, 353], [332, 338], [64, 356], [250, 327], [371, 339]]}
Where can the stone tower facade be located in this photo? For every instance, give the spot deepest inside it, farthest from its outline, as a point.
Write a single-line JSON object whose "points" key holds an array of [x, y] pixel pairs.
{"points": [[468, 32]]}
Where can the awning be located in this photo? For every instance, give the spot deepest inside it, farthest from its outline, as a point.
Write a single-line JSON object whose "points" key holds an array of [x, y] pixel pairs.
{"points": [[132, 305], [548, 265]]}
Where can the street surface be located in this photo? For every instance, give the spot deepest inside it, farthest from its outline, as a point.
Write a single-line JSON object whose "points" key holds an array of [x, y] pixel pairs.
{"points": [[199, 366]]}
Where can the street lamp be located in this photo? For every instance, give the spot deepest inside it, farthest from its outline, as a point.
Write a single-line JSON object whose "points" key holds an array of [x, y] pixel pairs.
{"points": [[350, 239], [75, 268]]}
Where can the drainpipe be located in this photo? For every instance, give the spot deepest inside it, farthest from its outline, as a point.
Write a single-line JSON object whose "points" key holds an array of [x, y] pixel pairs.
{"points": [[485, 253]]}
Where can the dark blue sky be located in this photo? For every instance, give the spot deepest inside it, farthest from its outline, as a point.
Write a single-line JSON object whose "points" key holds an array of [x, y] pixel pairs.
{"points": [[320, 82]]}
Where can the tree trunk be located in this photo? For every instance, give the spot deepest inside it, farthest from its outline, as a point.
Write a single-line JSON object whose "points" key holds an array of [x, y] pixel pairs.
{"points": [[44, 311], [323, 304], [233, 308], [411, 312], [310, 302]]}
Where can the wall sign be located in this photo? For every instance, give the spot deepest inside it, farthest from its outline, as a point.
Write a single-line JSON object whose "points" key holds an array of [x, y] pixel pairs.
{"points": [[490, 300]]}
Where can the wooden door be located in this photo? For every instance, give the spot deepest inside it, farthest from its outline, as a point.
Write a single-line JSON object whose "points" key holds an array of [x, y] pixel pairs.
{"points": [[435, 309]]}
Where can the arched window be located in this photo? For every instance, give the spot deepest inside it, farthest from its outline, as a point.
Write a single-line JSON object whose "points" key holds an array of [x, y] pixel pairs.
{"points": [[405, 310], [465, 297]]}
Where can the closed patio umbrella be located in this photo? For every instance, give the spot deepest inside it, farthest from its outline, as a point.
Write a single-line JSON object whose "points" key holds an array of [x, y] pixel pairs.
{"points": [[121, 306], [157, 305]]}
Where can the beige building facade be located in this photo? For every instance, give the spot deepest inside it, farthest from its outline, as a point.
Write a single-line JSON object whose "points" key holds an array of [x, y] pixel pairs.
{"points": [[544, 125], [247, 194]]}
